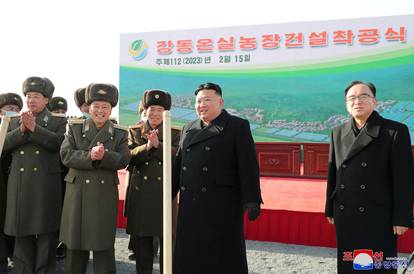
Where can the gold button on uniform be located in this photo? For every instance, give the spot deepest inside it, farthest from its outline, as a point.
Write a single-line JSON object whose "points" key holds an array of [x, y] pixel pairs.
{"points": [[146, 163], [160, 163], [22, 152], [35, 169], [136, 188], [37, 152], [87, 181], [102, 181], [145, 177], [21, 169], [159, 178]]}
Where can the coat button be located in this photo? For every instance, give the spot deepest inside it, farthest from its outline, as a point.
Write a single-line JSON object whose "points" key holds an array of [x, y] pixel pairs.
{"points": [[343, 165], [145, 178], [341, 207], [35, 169], [21, 169], [362, 186], [184, 168], [182, 188], [87, 181], [342, 186], [146, 163], [37, 152], [361, 209], [205, 169], [159, 178], [363, 164], [138, 171], [136, 188], [194, 198], [102, 181], [83, 135], [106, 150], [188, 149], [22, 152], [203, 189], [159, 163], [207, 148]]}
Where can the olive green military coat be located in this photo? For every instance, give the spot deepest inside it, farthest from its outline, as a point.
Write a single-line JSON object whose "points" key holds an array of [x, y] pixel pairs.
{"points": [[144, 199], [91, 200], [34, 199]]}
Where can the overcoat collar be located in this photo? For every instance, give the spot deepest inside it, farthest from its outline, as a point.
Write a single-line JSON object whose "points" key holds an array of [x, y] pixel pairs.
{"points": [[95, 135], [367, 134], [213, 129]]}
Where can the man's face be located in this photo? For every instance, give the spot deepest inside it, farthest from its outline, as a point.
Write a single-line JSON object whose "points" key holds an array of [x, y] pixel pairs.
{"points": [[208, 105], [154, 115], [84, 108], [9, 108], [360, 102], [100, 111], [35, 101]]}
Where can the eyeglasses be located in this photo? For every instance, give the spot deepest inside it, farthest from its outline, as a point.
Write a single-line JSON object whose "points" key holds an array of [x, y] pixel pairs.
{"points": [[363, 98]]}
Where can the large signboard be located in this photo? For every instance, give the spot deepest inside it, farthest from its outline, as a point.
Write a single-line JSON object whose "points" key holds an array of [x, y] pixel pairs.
{"points": [[286, 79]]}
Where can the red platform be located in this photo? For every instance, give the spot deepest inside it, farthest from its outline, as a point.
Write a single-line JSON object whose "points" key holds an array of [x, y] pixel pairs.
{"points": [[292, 213]]}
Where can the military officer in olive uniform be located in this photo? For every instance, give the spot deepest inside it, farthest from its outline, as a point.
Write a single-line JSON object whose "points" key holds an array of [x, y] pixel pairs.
{"points": [[58, 105], [93, 150], [144, 202], [10, 104], [33, 193], [370, 180]]}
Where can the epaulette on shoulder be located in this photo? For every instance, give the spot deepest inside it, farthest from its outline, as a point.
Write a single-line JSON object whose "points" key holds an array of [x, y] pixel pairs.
{"points": [[120, 127], [60, 115], [176, 128], [135, 126], [14, 116], [75, 121]]}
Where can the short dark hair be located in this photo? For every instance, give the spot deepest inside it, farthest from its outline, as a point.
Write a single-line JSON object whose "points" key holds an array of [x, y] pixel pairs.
{"points": [[212, 86], [358, 82]]}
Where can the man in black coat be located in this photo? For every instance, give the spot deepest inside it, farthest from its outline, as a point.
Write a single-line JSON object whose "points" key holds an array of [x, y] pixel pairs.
{"points": [[370, 184], [217, 175]]}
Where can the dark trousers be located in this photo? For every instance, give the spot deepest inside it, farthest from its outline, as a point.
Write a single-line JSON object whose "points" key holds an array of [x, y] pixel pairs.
{"points": [[35, 254], [103, 261], [144, 253], [3, 253]]}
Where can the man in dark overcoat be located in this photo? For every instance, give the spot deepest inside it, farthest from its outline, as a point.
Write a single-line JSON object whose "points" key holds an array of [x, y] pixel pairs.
{"points": [[10, 105], [33, 192], [217, 175], [370, 184], [94, 150], [144, 200]]}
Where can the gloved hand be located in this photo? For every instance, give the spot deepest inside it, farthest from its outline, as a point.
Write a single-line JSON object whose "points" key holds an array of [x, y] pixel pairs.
{"points": [[253, 210]]}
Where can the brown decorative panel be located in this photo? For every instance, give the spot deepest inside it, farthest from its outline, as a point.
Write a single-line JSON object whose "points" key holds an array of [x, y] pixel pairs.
{"points": [[278, 159], [315, 160]]}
